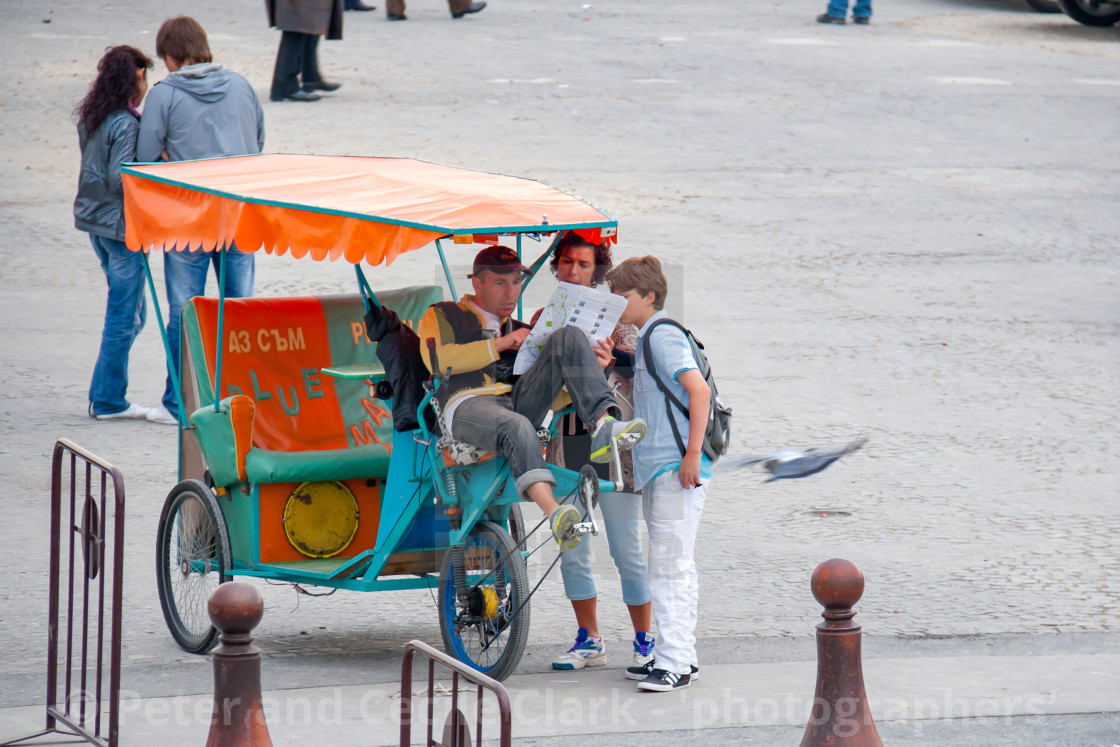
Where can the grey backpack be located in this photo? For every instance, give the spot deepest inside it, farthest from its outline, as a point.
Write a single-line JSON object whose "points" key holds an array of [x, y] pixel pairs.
{"points": [[717, 436]]}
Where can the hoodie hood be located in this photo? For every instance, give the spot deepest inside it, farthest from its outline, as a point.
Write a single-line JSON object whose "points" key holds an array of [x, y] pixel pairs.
{"points": [[205, 81]]}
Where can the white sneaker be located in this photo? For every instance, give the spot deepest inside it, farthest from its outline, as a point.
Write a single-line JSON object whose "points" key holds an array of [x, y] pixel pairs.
{"points": [[588, 652], [132, 412], [160, 414]]}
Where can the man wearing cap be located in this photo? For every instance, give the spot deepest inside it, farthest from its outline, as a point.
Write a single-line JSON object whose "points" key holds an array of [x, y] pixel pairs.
{"points": [[485, 405]]}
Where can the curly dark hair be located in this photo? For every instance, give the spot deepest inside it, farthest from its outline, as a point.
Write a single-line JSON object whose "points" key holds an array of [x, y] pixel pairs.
{"points": [[114, 87], [572, 240]]}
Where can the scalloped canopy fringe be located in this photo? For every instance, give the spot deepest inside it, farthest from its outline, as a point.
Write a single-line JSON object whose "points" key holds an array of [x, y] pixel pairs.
{"points": [[336, 207]]}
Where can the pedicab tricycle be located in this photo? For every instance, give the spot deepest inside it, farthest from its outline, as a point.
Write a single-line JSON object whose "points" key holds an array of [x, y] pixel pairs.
{"points": [[297, 462]]}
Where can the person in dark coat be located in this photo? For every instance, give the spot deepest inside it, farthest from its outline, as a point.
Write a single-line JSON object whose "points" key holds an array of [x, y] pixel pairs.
{"points": [[297, 77], [398, 349]]}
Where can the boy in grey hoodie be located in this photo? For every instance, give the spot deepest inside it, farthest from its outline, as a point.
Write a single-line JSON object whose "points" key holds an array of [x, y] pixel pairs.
{"points": [[200, 110]]}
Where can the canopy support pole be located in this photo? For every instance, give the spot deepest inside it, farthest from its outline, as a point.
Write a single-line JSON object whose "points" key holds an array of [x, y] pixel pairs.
{"points": [[536, 266], [446, 271], [369, 300], [221, 320], [171, 370], [520, 311]]}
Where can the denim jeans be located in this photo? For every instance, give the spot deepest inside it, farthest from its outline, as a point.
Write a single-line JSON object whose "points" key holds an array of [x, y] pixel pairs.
{"points": [[184, 274], [125, 313], [622, 513], [507, 424], [839, 8]]}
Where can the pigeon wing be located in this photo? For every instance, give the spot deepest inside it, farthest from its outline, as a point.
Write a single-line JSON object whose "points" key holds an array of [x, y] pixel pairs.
{"points": [[809, 461]]}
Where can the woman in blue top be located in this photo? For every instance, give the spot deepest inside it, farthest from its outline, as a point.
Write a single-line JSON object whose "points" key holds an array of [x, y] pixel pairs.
{"points": [[576, 260], [108, 123]]}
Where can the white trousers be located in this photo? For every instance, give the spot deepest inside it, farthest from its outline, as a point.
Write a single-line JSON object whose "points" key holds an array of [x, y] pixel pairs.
{"points": [[672, 515]]}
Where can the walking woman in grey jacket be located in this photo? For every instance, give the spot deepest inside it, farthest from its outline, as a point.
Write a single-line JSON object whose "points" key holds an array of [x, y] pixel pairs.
{"points": [[108, 123]]}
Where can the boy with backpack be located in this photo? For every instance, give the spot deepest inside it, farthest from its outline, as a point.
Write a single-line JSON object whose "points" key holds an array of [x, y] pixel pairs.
{"points": [[672, 466]]}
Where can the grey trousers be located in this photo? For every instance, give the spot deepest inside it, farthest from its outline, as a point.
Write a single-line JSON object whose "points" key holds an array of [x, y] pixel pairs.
{"points": [[507, 424]]}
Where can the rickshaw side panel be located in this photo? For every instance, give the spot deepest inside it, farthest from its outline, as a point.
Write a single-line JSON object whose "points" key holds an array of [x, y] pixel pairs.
{"points": [[309, 426]]}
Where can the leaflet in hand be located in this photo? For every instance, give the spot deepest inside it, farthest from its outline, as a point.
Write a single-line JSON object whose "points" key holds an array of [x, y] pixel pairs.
{"points": [[596, 312]]}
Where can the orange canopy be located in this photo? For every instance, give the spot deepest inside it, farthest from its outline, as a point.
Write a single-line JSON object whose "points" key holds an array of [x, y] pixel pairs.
{"points": [[337, 206]]}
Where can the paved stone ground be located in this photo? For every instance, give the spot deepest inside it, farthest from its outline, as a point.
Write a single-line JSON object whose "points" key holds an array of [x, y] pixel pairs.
{"points": [[906, 231]]}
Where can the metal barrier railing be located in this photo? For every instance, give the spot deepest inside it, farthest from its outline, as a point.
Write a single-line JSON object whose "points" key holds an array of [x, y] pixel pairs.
{"points": [[456, 731], [79, 712]]}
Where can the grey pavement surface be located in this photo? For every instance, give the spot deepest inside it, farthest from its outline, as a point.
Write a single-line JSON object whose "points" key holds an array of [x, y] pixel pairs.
{"points": [[906, 231]]}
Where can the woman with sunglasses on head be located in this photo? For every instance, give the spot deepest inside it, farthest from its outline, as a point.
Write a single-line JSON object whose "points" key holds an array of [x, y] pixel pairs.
{"points": [[579, 261]]}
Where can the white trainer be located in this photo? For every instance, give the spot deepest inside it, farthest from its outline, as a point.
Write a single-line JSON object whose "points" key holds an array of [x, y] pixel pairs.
{"points": [[132, 412], [162, 415], [588, 652]]}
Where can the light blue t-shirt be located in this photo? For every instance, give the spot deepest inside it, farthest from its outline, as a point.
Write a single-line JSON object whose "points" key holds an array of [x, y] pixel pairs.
{"points": [[658, 451]]}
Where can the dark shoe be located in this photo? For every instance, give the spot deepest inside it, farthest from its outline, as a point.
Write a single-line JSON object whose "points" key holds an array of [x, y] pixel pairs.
{"points": [[660, 681], [472, 8], [321, 85], [396, 17], [298, 96], [861, 20], [359, 5], [640, 672], [826, 18]]}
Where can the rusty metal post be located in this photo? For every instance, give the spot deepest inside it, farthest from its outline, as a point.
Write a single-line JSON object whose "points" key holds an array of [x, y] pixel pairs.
{"points": [[841, 714], [238, 719]]}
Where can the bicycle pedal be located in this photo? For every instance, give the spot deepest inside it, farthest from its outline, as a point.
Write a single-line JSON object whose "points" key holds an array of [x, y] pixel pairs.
{"points": [[581, 528]]}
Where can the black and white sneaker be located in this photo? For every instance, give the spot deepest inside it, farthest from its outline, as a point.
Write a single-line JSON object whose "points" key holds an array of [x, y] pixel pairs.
{"points": [[645, 670], [661, 681], [640, 672]]}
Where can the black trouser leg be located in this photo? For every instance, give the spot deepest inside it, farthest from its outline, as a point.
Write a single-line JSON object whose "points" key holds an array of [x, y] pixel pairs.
{"points": [[289, 62], [310, 68]]}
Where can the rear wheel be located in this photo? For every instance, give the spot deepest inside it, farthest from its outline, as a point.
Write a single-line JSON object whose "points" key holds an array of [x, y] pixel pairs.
{"points": [[487, 629], [192, 559], [517, 526], [1091, 12]]}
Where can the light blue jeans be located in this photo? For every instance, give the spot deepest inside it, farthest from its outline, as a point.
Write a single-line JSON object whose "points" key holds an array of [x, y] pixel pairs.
{"points": [[184, 274], [622, 515], [839, 9], [125, 313]]}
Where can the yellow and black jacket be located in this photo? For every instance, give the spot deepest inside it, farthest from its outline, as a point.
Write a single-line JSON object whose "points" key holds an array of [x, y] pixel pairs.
{"points": [[466, 350]]}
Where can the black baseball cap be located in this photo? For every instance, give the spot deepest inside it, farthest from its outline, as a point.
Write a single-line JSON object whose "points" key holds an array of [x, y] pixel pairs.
{"points": [[499, 259]]}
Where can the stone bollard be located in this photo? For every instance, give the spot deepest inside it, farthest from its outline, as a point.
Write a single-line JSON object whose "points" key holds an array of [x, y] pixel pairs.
{"points": [[238, 720], [841, 714]]}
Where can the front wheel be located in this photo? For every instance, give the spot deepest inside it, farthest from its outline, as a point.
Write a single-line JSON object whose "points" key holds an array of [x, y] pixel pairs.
{"points": [[488, 628], [192, 559], [1091, 12]]}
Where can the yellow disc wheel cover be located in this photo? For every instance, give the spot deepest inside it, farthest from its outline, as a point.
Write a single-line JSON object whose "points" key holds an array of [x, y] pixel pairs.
{"points": [[321, 518], [489, 603]]}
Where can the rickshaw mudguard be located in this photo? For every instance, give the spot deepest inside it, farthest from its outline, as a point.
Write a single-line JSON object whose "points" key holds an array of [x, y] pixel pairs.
{"points": [[407, 486]]}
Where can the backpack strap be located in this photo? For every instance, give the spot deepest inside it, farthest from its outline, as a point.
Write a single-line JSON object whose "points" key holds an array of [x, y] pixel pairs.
{"points": [[670, 398]]}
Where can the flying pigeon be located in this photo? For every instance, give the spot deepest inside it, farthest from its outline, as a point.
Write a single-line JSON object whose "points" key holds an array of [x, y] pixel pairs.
{"points": [[788, 464]]}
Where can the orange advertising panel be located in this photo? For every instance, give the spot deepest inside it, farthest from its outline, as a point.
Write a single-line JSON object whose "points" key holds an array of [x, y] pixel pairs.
{"points": [[275, 546], [273, 350]]}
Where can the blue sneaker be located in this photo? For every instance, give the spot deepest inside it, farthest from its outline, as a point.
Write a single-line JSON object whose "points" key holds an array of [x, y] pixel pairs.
{"points": [[588, 652], [643, 657]]}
